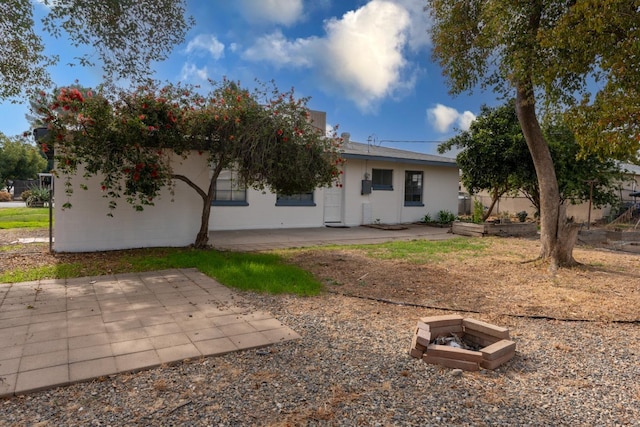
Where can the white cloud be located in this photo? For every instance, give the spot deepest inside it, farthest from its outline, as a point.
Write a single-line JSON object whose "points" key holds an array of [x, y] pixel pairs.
{"points": [[206, 42], [442, 118], [283, 12], [278, 50], [419, 23], [191, 72], [360, 56]]}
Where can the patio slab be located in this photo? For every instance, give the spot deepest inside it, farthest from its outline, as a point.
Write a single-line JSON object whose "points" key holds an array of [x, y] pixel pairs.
{"points": [[54, 333]]}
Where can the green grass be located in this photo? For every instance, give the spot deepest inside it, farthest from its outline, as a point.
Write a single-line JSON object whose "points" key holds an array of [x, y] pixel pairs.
{"points": [[24, 218], [421, 251], [259, 272]]}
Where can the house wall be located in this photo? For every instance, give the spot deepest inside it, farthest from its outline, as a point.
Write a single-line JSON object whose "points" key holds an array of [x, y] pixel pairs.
{"points": [[262, 212], [440, 193], [86, 227]]}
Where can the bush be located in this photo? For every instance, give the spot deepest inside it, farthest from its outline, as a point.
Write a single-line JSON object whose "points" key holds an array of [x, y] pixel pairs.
{"points": [[522, 216], [36, 197], [427, 219], [5, 196], [446, 217], [478, 211], [25, 195]]}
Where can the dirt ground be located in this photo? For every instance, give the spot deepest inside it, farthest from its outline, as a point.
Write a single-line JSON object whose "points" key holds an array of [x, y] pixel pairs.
{"points": [[504, 280]]}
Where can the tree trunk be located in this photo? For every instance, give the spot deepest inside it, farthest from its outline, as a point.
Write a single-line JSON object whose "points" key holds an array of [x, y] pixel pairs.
{"points": [[557, 234], [202, 238]]}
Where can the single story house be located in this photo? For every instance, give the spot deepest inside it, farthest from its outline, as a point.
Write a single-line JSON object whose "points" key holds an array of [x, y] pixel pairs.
{"points": [[378, 185]]}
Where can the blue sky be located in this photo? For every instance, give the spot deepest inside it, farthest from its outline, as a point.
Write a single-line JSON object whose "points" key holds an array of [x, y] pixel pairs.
{"points": [[367, 64]]}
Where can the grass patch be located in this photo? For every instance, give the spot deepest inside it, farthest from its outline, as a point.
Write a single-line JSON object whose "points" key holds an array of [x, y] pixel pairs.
{"points": [[24, 218], [420, 251], [259, 272]]}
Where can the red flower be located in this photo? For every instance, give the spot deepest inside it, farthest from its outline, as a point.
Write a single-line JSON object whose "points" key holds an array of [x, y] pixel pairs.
{"points": [[136, 176], [279, 132], [104, 187], [45, 148]]}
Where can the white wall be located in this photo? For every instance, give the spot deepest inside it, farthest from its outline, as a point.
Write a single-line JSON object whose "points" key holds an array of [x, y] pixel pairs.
{"points": [[86, 227], [262, 212]]}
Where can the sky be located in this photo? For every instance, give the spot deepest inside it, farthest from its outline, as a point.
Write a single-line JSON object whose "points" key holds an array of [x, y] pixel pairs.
{"points": [[366, 63]]}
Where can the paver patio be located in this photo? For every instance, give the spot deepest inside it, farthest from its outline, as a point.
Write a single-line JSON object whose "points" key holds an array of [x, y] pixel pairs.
{"points": [[57, 332]]}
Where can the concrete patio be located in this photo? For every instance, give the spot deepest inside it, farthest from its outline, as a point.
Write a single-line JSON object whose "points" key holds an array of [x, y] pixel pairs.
{"points": [[57, 332]]}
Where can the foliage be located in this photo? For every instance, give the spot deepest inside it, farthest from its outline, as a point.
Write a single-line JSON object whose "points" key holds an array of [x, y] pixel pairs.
{"points": [[129, 139], [24, 218], [427, 218], [522, 216], [478, 212], [493, 152], [494, 157], [37, 196], [446, 217], [125, 36], [5, 196], [19, 160], [548, 50]]}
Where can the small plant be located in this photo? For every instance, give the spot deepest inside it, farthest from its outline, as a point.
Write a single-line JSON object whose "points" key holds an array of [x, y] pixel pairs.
{"points": [[25, 195], [478, 211], [427, 219], [377, 221], [5, 196], [522, 216], [446, 217], [38, 196]]}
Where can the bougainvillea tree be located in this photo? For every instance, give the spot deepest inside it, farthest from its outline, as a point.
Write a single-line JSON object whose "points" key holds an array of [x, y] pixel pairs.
{"points": [[130, 138]]}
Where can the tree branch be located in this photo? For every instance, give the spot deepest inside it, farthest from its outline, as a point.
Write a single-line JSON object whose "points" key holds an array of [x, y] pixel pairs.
{"points": [[190, 184]]}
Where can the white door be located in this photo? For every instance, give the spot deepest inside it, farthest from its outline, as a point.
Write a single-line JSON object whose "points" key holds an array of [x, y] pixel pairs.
{"points": [[333, 205]]}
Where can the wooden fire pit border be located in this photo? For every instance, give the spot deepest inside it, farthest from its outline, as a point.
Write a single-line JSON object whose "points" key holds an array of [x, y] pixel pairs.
{"points": [[496, 347]]}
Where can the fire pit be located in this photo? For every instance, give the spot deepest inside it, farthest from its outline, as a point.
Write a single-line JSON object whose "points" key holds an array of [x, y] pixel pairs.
{"points": [[457, 342]]}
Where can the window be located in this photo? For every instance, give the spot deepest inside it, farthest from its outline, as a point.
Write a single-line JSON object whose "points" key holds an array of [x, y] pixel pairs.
{"points": [[413, 188], [229, 192], [382, 179], [300, 199]]}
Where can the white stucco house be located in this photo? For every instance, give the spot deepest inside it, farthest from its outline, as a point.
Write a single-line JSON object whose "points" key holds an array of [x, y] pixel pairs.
{"points": [[378, 184]]}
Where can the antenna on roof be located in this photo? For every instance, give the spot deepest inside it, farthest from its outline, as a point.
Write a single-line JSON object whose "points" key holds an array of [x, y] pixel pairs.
{"points": [[372, 140]]}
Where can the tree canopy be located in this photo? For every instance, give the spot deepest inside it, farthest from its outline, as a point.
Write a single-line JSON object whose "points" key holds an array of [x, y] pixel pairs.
{"points": [[545, 52], [129, 139], [19, 159], [125, 35], [494, 157]]}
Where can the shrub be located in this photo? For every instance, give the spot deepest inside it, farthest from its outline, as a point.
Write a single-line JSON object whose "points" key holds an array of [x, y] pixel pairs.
{"points": [[25, 195], [445, 217], [478, 211], [522, 216], [5, 196], [37, 196], [427, 219]]}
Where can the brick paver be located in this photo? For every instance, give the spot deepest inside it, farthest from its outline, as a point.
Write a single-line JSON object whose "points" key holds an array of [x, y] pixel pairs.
{"points": [[56, 332]]}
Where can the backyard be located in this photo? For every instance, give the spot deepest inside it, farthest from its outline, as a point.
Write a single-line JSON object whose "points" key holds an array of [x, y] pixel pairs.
{"points": [[577, 335]]}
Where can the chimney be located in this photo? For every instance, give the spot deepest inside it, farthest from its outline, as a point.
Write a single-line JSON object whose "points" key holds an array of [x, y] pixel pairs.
{"points": [[345, 137]]}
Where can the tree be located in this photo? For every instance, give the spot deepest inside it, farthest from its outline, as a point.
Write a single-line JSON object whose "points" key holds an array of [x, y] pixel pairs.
{"points": [[126, 35], [544, 50], [131, 139], [494, 157], [493, 153], [19, 160]]}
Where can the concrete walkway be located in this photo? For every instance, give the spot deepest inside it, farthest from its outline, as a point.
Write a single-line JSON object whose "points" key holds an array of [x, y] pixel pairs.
{"points": [[57, 332], [258, 240]]}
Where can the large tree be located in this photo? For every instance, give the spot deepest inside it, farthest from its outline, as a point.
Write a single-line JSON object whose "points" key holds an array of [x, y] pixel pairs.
{"points": [[125, 35], [494, 157], [19, 159], [545, 52], [493, 154], [132, 138]]}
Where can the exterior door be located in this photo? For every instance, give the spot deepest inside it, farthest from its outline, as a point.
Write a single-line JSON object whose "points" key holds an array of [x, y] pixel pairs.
{"points": [[333, 205]]}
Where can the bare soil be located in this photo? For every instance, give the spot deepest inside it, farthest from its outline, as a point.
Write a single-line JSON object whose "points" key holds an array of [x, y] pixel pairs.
{"points": [[504, 280]]}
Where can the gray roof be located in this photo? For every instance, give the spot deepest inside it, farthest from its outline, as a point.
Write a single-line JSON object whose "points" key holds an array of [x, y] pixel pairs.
{"points": [[634, 169], [356, 150]]}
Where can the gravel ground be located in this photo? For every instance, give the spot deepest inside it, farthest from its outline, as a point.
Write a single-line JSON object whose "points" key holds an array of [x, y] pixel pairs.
{"points": [[351, 368]]}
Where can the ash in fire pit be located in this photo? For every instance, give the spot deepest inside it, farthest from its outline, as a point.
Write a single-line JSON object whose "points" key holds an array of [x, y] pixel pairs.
{"points": [[463, 343]]}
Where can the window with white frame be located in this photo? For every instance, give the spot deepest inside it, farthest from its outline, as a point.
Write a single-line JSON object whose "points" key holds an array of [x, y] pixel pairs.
{"points": [[229, 190]]}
